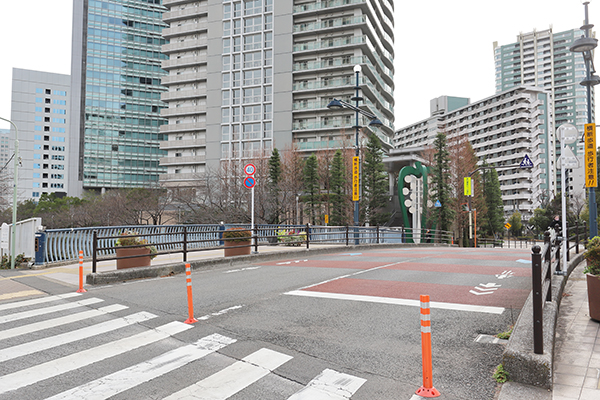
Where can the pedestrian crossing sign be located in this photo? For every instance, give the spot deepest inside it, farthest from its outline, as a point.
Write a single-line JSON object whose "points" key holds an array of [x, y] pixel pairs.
{"points": [[526, 163]]}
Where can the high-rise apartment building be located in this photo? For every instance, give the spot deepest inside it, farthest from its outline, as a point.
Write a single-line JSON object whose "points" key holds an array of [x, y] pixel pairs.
{"points": [[543, 59], [116, 89], [39, 108], [247, 76], [502, 129], [4, 147]]}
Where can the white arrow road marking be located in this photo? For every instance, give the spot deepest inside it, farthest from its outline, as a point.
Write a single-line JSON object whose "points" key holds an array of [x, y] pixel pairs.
{"points": [[489, 285], [488, 288], [505, 274], [479, 294]]}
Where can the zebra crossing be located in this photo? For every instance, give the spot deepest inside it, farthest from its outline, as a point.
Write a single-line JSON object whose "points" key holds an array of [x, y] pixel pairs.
{"points": [[37, 336]]}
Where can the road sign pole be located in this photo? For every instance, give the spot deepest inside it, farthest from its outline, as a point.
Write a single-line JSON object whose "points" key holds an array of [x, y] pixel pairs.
{"points": [[252, 218], [563, 199]]}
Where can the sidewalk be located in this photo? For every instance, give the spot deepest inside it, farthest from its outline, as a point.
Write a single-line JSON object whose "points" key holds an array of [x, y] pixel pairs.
{"points": [[577, 348]]}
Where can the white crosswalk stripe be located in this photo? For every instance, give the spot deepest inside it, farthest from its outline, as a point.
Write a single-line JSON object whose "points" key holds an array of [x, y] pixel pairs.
{"points": [[70, 337], [72, 362], [120, 381], [53, 323], [330, 385], [48, 310], [240, 377], [234, 378], [39, 300]]}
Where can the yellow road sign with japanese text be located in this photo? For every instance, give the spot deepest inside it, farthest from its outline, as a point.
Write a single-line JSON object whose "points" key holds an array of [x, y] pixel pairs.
{"points": [[591, 168], [468, 186], [355, 176]]}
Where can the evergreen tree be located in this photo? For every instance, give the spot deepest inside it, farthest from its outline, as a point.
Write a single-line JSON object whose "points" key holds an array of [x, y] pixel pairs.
{"points": [[516, 224], [338, 196], [375, 184], [493, 200], [440, 184], [312, 187], [273, 185]]}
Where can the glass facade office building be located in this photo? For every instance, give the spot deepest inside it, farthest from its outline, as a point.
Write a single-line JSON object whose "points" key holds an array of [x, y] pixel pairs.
{"points": [[116, 81]]}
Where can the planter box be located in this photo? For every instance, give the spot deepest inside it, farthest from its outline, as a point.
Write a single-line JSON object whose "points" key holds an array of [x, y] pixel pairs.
{"points": [[133, 262], [593, 287], [237, 251]]}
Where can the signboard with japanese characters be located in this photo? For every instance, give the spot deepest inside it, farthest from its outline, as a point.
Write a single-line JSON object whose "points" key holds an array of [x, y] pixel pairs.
{"points": [[591, 174], [355, 178]]}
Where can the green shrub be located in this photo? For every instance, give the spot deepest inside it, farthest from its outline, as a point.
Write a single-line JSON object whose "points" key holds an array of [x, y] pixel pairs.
{"points": [[592, 255], [237, 235], [131, 238], [291, 237], [500, 375], [5, 264]]}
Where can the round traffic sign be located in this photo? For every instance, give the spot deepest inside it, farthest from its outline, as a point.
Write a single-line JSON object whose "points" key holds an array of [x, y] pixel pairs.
{"points": [[249, 182], [249, 169]]}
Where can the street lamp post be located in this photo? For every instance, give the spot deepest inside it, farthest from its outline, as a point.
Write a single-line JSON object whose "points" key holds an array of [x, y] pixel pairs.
{"points": [[585, 45], [374, 121], [13, 239]]}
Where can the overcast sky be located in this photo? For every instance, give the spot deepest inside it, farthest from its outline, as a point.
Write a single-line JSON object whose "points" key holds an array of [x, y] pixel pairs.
{"points": [[443, 47]]}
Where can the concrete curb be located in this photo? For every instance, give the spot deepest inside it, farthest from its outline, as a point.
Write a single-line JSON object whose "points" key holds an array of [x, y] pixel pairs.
{"points": [[104, 278], [519, 360]]}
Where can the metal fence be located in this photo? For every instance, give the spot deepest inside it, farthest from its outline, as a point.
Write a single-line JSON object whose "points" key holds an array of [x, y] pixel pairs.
{"points": [[65, 244], [544, 262]]}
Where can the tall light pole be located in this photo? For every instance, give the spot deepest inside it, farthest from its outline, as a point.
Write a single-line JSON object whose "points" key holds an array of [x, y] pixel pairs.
{"points": [[13, 239], [585, 45], [339, 104]]}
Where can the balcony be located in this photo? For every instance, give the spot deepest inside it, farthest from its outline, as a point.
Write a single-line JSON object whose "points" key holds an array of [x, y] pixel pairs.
{"points": [[182, 144], [186, 127], [183, 94], [183, 78], [200, 10], [182, 111], [183, 62], [185, 29], [188, 160], [186, 45]]}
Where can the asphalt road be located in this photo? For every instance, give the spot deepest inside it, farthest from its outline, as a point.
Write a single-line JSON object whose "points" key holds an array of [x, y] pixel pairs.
{"points": [[347, 313]]}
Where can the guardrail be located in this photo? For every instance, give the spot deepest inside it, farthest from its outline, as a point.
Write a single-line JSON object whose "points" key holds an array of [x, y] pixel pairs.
{"points": [[543, 261], [573, 241], [187, 239]]}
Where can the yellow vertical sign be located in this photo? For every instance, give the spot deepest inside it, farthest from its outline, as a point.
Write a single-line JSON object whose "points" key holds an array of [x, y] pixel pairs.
{"points": [[355, 175], [468, 186], [591, 168]]}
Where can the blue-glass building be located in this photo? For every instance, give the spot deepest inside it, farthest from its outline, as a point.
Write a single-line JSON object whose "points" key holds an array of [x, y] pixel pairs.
{"points": [[116, 89]]}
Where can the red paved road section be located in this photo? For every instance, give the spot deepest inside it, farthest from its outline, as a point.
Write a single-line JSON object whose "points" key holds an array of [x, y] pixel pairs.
{"points": [[459, 269], [507, 298]]}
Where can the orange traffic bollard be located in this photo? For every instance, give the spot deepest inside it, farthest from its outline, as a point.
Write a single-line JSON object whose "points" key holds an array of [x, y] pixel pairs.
{"points": [[188, 280], [427, 390], [81, 289]]}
